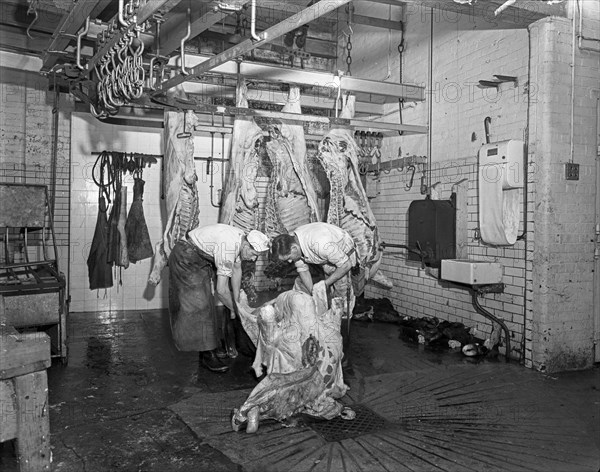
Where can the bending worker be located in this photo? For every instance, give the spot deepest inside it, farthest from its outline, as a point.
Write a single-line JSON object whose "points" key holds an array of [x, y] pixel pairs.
{"points": [[191, 303], [323, 244]]}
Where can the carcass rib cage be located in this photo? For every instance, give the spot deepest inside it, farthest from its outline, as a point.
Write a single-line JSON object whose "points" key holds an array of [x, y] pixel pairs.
{"points": [[180, 181], [349, 207]]}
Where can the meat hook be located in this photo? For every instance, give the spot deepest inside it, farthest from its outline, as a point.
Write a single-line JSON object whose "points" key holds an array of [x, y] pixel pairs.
{"points": [[486, 124], [412, 176], [32, 10], [185, 134]]}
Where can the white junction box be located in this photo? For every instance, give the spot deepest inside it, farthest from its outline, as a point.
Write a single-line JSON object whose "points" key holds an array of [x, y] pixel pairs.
{"points": [[471, 272]]}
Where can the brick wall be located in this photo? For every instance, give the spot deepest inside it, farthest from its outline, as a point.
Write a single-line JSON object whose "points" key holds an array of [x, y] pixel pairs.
{"points": [[565, 213], [547, 303], [26, 143]]}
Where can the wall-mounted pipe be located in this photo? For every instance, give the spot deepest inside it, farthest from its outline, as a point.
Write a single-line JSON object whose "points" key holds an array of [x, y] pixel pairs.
{"points": [[482, 311]]}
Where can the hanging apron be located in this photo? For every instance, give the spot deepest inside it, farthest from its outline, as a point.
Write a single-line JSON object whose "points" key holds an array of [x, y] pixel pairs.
{"points": [[139, 246], [99, 269], [191, 303]]}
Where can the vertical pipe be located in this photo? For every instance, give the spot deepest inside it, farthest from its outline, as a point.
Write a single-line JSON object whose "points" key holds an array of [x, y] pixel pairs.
{"points": [[430, 108], [253, 21], [54, 163], [572, 130]]}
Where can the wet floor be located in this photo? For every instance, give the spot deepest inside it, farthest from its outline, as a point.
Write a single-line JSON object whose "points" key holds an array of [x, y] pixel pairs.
{"points": [[120, 403]]}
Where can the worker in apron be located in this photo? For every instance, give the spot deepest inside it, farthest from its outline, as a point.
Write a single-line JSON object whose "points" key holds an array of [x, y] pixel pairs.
{"points": [[214, 249], [333, 249]]}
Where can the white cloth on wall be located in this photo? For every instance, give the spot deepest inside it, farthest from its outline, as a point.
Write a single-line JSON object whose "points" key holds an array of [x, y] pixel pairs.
{"points": [[499, 211]]}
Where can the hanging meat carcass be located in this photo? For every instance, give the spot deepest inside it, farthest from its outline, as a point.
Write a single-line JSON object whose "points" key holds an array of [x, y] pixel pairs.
{"points": [[240, 201], [179, 180], [349, 206], [291, 197]]}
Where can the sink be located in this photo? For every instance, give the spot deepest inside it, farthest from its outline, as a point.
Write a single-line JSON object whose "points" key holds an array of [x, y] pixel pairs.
{"points": [[470, 272]]}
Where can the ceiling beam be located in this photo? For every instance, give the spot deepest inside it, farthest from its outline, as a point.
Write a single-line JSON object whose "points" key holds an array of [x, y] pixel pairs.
{"points": [[14, 39], [399, 128], [69, 25], [307, 99], [293, 22], [173, 29], [521, 13]]}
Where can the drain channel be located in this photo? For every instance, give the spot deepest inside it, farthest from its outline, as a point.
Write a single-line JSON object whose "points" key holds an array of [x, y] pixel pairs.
{"points": [[338, 429]]}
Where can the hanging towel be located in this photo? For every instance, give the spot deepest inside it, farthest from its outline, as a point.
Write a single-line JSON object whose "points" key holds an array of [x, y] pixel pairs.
{"points": [[139, 246]]}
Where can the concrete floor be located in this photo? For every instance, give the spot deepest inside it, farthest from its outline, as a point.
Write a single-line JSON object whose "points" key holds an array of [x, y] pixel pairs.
{"points": [[112, 406]]}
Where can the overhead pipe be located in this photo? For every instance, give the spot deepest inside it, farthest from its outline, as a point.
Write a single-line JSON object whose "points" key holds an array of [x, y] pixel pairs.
{"points": [[503, 7], [122, 21], [293, 22], [253, 34], [79, 36], [183, 40], [154, 58]]}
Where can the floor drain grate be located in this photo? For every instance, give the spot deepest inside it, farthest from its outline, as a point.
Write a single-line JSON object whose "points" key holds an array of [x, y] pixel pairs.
{"points": [[338, 429]]}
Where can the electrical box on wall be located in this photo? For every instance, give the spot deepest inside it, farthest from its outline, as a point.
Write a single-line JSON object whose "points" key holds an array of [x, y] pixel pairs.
{"points": [[432, 231], [571, 171]]}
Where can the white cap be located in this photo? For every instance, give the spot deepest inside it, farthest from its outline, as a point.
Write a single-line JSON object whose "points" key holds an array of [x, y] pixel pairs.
{"points": [[258, 241]]}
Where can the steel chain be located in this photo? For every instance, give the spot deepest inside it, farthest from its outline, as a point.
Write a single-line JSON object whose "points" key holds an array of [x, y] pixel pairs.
{"points": [[349, 54]]}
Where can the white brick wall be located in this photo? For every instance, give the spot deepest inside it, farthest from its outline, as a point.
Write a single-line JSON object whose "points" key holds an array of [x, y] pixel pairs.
{"points": [[26, 137], [564, 211], [548, 276]]}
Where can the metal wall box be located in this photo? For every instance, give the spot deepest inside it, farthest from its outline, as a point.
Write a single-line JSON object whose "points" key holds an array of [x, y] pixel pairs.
{"points": [[431, 230], [471, 272]]}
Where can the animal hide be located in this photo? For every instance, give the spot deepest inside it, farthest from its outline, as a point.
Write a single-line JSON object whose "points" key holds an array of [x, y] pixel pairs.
{"points": [[349, 206], [240, 202], [179, 180], [291, 197]]}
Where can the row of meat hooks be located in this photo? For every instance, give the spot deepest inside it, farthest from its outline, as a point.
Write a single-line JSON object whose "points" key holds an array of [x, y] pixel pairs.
{"points": [[369, 144], [120, 72]]}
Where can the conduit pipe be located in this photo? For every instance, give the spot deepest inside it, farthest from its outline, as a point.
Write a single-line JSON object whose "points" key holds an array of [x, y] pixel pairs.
{"points": [[482, 311], [79, 36], [253, 34], [122, 21], [503, 7], [182, 45]]}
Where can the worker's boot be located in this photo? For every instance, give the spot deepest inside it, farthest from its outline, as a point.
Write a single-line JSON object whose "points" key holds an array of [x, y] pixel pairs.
{"points": [[210, 360]]}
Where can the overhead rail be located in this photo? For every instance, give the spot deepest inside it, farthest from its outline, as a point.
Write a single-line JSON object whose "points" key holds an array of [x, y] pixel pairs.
{"points": [[293, 22], [271, 73]]}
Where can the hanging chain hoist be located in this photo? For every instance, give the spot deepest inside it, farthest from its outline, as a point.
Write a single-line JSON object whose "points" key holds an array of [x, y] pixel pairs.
{"points": [[349, 11], [349, 55]]}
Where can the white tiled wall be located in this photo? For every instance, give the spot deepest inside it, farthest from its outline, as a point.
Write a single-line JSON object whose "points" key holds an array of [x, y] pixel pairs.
{"points": [[90, 135]]}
